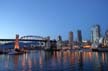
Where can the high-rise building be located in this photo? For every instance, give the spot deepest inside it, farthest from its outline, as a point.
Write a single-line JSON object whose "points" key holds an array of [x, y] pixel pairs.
{"points": [[106, 39], [95, 33], [106, 33], [79, 34], [70, 39]]}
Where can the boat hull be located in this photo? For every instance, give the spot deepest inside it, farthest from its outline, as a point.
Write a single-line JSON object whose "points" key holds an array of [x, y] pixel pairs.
{"points": [[13, 52]]}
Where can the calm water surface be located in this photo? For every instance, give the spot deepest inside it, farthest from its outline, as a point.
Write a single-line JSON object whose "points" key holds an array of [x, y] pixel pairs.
{"points": [[55, 61]]}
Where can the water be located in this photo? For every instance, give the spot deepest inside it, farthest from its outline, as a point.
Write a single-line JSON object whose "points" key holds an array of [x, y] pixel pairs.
{"points": [[55, 61]]}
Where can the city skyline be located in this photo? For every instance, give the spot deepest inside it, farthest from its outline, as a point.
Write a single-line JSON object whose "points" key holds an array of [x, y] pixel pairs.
{"points": [[52, 18]]}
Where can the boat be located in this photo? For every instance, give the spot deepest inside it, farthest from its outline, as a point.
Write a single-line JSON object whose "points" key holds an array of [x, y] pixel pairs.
{"points": [[15, 52], [94, 47]]}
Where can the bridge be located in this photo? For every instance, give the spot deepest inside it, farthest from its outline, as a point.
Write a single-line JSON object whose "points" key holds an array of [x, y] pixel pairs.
{"points": [[26, 40], [31, 38]]}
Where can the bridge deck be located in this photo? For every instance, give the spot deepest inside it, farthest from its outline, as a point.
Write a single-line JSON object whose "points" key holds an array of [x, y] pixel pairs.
{"points": [[26, 40]]}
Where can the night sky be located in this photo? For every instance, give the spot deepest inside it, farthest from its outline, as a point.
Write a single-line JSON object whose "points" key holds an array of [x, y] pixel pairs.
{"points": [[52, 17]]}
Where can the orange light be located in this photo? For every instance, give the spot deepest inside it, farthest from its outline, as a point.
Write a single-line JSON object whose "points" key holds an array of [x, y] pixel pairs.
{"points": [[87, 46]]}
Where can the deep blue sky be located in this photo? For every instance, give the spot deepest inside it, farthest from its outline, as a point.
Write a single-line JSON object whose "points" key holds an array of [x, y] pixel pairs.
{"points": [[51, 17]]}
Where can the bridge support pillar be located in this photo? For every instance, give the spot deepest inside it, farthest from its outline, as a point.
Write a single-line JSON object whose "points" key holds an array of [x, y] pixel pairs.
{"points": [[16, 42], [48, 44]]}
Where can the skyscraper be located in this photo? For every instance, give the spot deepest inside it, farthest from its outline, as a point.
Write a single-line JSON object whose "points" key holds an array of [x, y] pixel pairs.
{"points": [[106, 33], [95, 33], [106, 39], [70, 39], [79, 34]]}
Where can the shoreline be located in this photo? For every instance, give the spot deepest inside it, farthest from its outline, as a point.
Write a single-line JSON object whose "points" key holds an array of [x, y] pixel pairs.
{"points": [[51, 50]]}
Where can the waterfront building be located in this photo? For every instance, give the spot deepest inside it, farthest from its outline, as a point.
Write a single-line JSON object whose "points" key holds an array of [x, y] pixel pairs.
{"points": [[65, 43], [48, 44], [70, 39], [95, 33], [101, 40], [59, 42]]}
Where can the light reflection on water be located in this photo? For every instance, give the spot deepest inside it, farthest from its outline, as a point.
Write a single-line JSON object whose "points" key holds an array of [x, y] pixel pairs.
{"points": [[56, 61]]}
